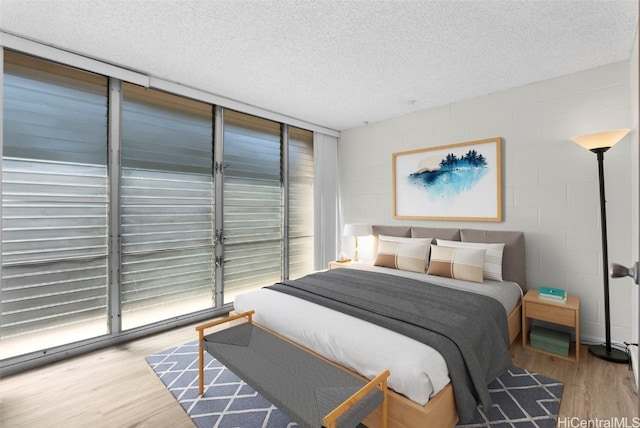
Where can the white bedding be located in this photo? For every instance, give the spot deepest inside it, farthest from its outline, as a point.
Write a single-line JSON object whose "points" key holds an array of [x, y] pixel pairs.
{"points": [[417, 370]]}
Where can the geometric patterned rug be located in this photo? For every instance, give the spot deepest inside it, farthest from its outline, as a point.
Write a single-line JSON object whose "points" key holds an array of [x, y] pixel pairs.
{"points": [[521, 398], [227, 402]]}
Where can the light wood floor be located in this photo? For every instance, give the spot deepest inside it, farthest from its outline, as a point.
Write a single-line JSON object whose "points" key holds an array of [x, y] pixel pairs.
{"points": [[115, 387]]}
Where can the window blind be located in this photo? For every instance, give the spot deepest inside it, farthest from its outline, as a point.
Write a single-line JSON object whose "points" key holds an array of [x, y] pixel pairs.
{"points": [[253, 203], [167, 205], [54, 197], [301, 221]]}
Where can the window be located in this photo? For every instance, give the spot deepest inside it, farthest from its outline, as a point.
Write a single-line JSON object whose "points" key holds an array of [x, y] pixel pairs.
{"points": [[54, 205], [167, 206], [253, 203], [100, 240], [300, 202]]}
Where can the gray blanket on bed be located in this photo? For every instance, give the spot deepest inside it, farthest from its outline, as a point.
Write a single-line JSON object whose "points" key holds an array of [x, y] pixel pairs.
{"points": [[469, 330]]}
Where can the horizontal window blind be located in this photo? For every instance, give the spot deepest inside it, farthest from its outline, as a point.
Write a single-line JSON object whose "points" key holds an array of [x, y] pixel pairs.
{"points": [[54, 196], [253, 203], [300, 202], [52, 112], [167, 206]]}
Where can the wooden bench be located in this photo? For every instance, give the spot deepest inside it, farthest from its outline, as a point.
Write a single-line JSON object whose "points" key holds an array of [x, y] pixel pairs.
{"points": [[311, 391]]}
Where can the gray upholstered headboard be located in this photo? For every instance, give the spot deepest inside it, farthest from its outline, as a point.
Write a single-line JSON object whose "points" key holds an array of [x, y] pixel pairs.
{"points": [[513, 258]]}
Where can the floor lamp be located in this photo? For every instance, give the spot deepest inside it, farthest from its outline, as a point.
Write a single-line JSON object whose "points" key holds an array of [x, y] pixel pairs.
{"points": [[599, 143]]}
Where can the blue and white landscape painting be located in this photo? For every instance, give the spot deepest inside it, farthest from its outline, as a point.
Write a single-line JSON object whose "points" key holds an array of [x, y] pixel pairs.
{"points": [[451, 176], [460, 181]]}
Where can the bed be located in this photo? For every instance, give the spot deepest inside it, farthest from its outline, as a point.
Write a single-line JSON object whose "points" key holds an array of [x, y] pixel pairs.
{"points": [[422, 390]]}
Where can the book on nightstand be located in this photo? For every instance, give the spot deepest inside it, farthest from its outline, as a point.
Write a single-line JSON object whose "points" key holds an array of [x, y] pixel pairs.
{"points": [[552, 294]]}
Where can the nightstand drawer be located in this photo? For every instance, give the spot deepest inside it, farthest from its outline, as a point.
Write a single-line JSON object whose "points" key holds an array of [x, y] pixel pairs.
{"points": [[555, 314]]}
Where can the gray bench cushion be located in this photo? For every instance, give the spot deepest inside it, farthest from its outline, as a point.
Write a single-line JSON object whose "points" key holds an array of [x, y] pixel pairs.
{"points": [[301, 385]]}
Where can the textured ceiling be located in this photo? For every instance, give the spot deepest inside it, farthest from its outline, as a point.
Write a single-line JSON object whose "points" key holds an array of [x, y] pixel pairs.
{"points": [[337, 64]]}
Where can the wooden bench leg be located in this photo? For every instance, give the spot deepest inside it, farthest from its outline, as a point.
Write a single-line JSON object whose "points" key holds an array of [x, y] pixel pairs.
{"points": [[200, 363], [384, 415]]}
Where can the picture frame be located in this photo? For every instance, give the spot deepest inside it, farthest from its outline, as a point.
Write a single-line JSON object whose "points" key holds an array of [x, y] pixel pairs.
{"points": [[461, 182]]}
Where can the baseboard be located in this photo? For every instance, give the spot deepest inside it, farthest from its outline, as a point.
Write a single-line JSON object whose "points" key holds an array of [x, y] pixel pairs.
{"points": [[633, 350]]}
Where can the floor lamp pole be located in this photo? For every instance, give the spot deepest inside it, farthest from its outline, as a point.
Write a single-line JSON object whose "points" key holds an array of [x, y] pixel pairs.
{"points": [[605, 352]]}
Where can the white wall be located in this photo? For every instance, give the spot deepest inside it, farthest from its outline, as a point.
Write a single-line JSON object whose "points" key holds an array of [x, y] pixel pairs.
{"points": [[550, 184]]}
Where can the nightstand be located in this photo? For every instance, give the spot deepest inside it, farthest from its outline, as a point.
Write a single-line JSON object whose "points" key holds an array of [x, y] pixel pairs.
{"points": [[567, 314], [335, 264]]}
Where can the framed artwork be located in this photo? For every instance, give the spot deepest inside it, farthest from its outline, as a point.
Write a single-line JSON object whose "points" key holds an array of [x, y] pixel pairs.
{"points": [[455, 182]]}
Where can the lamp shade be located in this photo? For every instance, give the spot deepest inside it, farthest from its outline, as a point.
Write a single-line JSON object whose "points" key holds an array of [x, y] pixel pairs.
{"points": [[600, 140], [356, 229]]}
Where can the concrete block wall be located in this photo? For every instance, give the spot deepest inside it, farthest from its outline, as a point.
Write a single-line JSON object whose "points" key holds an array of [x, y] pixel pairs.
{"points": [[550, 184]]}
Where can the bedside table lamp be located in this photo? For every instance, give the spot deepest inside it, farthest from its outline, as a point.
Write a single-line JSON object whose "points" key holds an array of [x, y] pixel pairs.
{"points": [[599, 143], [356, 230]]}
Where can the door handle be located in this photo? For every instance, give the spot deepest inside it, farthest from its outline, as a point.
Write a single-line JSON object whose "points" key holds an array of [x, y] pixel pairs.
{"points": [[619, 271]]}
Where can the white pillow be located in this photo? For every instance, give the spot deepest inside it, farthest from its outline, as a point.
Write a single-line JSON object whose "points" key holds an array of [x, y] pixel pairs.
{"points": [[404, 239], [492, 258]]}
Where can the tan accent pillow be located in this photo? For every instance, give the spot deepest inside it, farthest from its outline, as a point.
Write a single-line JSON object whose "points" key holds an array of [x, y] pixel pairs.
{"points": [[402, 239], [457, 263], [492, 258], [402, 255]]}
